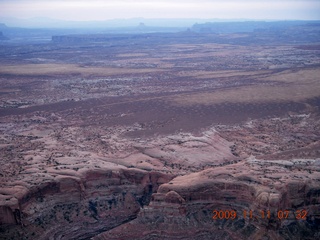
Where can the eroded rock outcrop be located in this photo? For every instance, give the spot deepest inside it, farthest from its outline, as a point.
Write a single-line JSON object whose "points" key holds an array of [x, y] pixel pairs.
{"points": [[184, 207], [77, 207]]}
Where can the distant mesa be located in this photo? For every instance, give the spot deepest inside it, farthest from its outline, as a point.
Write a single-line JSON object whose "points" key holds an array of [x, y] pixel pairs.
{"points": [[250, 26], [3, 37], [227, 27], [141, 25], [80, 38], [2, 26], [111, 38]]}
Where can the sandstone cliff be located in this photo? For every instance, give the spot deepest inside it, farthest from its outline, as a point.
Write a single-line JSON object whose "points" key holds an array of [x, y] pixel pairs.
{"points": [[183, 208], [77, 206]]}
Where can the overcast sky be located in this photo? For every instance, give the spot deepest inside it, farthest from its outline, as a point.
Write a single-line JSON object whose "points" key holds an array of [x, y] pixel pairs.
{"points": [[109, 9]]}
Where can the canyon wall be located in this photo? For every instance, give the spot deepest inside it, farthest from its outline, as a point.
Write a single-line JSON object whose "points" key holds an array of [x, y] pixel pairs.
{"points": [[77, 207], [268, 205]]}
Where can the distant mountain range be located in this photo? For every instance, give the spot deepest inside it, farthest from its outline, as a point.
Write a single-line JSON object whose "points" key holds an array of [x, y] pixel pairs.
{"points": [[43, 29], [113, 23]]}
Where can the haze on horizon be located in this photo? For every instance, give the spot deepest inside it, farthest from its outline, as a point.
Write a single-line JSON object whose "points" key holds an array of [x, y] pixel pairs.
{"points": [[98, 10]]}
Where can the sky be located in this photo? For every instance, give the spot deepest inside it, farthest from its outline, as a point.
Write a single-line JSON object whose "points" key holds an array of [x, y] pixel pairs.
{"points": [[81, 10]]}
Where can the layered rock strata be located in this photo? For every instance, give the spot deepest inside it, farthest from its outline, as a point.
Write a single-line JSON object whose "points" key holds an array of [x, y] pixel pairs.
{"points": [[77, 206], [184, 207]]}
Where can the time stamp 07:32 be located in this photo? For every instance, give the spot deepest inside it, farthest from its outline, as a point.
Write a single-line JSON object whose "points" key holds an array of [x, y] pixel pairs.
{"points": [[264, 214]]}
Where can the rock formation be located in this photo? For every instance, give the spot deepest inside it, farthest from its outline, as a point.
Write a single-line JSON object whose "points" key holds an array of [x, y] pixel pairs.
{"points": [[184, 207], [154, 191], [79, 205]]}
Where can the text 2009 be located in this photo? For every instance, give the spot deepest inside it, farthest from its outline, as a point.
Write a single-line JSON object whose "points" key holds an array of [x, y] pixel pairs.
{"points": [[280, 214]]}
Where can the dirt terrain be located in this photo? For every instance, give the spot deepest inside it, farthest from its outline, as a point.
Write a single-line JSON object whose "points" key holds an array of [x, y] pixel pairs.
{"points": [[144, 137]]}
